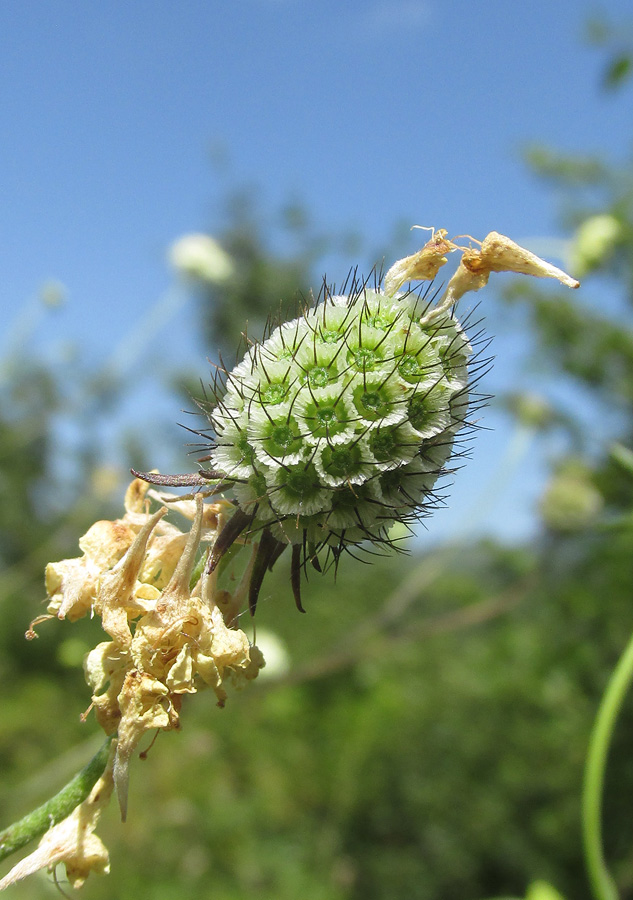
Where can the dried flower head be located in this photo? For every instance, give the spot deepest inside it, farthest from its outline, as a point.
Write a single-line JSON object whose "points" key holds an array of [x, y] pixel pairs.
{"points": [[168, 635]]}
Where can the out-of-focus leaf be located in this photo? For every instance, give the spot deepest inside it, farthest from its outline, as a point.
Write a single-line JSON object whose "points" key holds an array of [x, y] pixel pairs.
{"points": [[618, 71], [542, 890], [571, 170]]}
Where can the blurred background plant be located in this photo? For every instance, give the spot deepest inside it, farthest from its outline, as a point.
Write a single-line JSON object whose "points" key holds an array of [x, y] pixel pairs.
{"points": [[425, 730]]}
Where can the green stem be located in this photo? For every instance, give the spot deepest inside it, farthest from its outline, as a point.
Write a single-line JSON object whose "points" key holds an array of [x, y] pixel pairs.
{"points": [[602, 883], [58, 807]]}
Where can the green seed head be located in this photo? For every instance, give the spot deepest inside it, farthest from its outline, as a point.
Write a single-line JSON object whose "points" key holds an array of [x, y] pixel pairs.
{"points": [[338, 425]]}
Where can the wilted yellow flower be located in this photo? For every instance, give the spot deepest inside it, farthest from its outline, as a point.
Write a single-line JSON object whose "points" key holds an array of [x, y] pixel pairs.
{"points": [[168, 634], [496, 253], [72, 584], [421, 266]]}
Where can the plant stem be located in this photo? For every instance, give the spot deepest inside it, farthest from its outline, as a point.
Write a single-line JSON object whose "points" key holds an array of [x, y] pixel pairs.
{"points": [[602, 883], [58, 807]]}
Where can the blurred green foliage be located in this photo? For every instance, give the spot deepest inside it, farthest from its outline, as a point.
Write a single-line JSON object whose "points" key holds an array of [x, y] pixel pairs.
{"points": [[429, 735], [617, 39], [275, 258]]}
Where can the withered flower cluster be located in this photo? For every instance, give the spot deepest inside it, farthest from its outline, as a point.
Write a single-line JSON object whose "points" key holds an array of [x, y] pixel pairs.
{"points": [[165, 618]]}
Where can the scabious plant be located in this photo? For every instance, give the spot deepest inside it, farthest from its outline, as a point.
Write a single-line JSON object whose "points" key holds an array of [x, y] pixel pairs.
{"points": [[327, 434], [339, 424]]}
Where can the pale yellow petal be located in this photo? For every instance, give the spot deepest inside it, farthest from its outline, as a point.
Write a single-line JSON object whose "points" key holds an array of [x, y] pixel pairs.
{"points": [[101, 664], [161, 559], [142, 705], [135, 495], [499, 254], [71, 585], [105, 543], [179, 679], [116, 592], [421, 266]]}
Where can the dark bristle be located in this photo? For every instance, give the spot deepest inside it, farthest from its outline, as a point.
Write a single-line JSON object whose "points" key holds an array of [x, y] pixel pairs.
{"points": [[280, 547], [265, 552], [229, 534], [295, 575]]}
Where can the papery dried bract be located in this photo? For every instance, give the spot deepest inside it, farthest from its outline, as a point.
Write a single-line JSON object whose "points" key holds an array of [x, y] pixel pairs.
{"points": [[116, 599], [421, 266], [499, 254], [496, 253]]}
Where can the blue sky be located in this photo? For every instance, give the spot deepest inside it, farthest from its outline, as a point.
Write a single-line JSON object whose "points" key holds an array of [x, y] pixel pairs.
{"points": [[370, 112]]}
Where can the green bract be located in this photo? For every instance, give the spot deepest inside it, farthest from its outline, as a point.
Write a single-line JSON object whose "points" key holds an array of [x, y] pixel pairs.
{"points": [[339, 424]]}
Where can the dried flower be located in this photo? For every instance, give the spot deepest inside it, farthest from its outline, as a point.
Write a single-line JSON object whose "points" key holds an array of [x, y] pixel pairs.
{"points": [[168, 634], [421, 266]]}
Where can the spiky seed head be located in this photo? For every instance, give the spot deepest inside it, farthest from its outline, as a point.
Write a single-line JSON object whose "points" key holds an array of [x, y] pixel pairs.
{"points": [[339, 424]]}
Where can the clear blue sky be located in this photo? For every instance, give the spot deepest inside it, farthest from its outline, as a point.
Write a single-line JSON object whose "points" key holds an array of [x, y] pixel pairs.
{"points": [[369, 111]]}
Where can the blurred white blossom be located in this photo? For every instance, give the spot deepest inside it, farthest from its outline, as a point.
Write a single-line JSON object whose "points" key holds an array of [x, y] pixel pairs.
{"points": [[275, 653], [200, 257]]}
